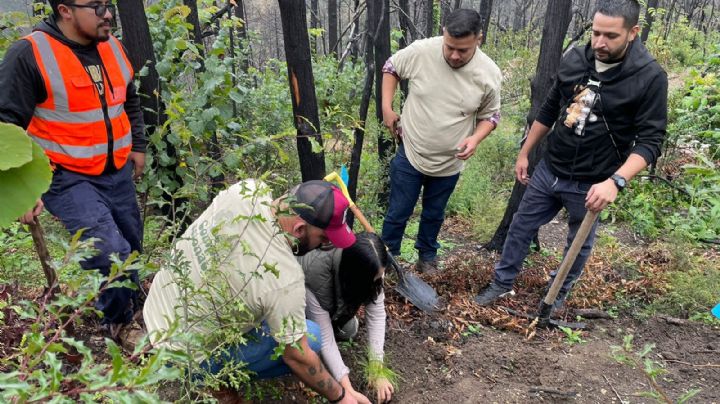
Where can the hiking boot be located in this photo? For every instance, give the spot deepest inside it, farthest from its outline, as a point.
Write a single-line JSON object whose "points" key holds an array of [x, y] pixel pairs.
{"points": [[127, 335], [426, 267], [492, 293]]}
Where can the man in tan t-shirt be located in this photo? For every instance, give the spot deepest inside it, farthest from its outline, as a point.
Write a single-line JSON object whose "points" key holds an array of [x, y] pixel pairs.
{"points": [[453, 104], [239, 258]]}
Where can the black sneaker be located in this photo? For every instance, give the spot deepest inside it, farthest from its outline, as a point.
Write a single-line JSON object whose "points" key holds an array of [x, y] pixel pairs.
{"points": [[492, 293]]}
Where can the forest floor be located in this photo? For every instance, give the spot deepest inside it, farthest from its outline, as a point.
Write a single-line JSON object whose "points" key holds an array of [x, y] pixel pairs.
{"points": [[468, 354]]}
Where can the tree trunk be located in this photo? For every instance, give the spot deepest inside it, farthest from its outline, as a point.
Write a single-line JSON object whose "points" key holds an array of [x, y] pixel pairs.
{"points": [[302, 87], [140, 51], [429, 18], [351, 49], [277, 34], [649, 18], [194, 20], [557, 20], [485, 15], [668, 19], [444, 12], [333, 27], [458, 4], [405, 37], [381, 15], [404, 19], [314, 21], [359, 132], [242, 35]]}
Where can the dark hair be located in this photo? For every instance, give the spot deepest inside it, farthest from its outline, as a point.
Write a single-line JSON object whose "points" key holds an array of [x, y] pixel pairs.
{"points": [[359, 264], [463, 22], [629, 10], [54, 5]]}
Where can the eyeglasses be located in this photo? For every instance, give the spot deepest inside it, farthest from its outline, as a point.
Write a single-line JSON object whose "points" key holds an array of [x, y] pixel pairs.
{"points": [[100, 9]]}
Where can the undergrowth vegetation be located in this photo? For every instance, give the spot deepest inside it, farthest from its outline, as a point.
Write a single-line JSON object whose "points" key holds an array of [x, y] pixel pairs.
{"points": [[227, 123]]}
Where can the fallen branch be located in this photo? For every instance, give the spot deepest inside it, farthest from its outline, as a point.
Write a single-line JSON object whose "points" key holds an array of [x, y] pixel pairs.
{"points": [[613, 389], [674, 320], [707, 365], [552, 391]]}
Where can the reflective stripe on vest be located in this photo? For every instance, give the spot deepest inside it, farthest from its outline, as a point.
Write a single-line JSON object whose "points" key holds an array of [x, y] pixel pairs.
{"points": [[91, 116], [83, 152], [70, 125]]}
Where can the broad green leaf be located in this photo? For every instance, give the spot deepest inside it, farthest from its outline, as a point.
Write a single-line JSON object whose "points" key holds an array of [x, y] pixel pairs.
{"points": [[15, 147], [22, 186]]}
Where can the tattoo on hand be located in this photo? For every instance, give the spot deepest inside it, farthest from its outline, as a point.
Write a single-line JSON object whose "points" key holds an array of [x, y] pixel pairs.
{"points": [[313, 371], [329, 383], [321, 385]]}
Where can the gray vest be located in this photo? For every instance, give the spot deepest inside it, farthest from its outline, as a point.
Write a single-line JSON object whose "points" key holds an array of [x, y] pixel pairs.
{"points": [[322, 269]]}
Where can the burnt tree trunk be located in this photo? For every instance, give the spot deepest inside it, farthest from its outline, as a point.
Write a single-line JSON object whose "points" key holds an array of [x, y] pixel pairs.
{"points": [[649, 19], [302, 87], [140, 51], [380, 12], [557, 20], [669, 18], [242, 35], [485, 15], [444, 12], [333, 44], [359, 132], [405, 24], [314, 20], [429, 19], [405, 39], [194, 20]]}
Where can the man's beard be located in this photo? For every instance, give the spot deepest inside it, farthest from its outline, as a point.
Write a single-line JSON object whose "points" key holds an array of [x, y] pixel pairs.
{"points": [[616, 56], [98, 36], [301, 247]]}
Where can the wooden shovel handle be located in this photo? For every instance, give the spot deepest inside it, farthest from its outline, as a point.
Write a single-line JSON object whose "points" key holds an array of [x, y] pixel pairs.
{"points": [[572, 253]]}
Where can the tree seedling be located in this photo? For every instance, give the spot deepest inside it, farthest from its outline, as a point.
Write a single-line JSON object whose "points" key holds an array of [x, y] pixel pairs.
{"points": [[572, 337]]}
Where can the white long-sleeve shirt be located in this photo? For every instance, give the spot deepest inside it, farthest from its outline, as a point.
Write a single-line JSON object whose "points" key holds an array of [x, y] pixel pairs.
{"points": [[374, 318]]}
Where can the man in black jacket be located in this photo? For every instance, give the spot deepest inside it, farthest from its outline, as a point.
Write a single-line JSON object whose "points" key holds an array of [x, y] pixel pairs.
{"points": [[608, 106], [70, 85]]}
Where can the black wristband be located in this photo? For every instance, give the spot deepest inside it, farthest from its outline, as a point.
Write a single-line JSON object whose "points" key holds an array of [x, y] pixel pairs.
{"points": [[342, 395]]}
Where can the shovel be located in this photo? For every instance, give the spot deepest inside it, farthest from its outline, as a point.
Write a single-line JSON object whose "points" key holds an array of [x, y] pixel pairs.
{"points": [[409, 285], [543, 316]]}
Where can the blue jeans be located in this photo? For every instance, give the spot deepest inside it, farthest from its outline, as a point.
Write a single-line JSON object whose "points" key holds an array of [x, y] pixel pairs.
{"points": [[258, 351], [544, 197], [405, 185], [105, 206]]}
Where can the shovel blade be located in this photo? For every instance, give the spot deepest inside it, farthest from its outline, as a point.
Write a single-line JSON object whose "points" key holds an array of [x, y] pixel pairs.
{"points": [[418, 292]]}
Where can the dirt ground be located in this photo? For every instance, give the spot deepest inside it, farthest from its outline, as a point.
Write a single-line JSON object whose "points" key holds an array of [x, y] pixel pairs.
{"points": [[468, 354], [503, 363], [497, 366]]}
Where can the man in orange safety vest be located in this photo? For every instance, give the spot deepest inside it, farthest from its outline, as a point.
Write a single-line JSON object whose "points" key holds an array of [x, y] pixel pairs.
{"points": [[69, 84]]}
